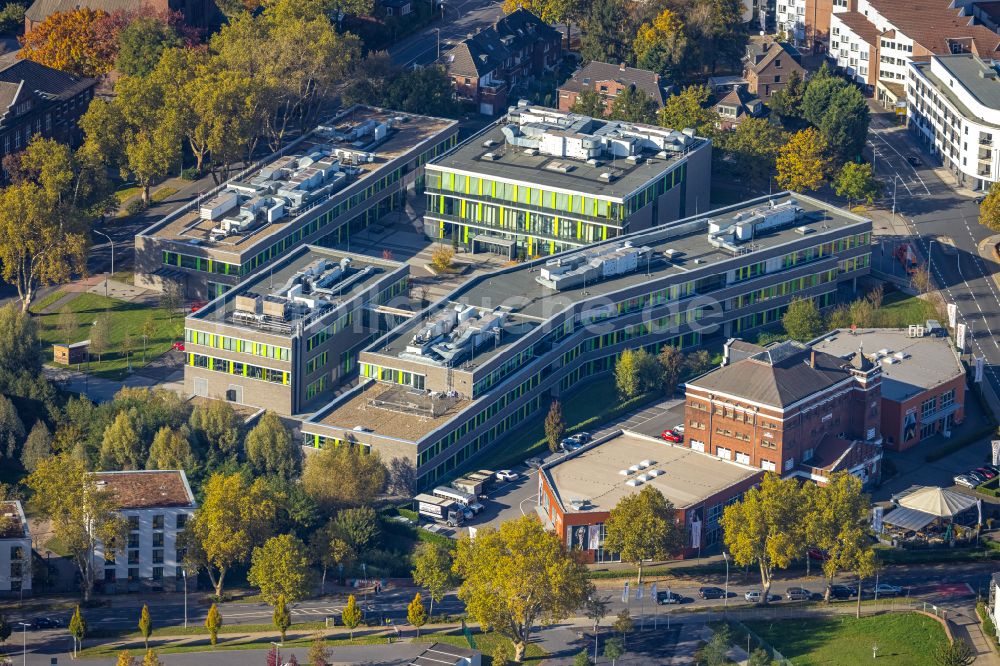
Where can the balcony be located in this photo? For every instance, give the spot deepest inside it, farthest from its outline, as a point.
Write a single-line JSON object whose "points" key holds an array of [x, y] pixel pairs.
{"points": [[985, 155]]}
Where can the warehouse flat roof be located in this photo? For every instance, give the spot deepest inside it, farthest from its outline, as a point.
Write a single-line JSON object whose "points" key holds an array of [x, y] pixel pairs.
{"points": [[147, 489], [405, 132], [686, 240], [926, 362], [591, 480], [274, 282]]}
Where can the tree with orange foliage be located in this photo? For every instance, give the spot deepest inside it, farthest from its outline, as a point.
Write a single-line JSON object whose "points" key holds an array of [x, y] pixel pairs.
{"points": [[74, 42]]}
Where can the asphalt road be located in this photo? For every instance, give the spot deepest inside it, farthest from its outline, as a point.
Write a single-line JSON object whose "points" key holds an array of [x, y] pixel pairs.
{"points": [[461, 17]]}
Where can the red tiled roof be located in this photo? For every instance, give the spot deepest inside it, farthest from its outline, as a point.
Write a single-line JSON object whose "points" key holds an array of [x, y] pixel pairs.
{"points": [[932, 23], [859, 25]]}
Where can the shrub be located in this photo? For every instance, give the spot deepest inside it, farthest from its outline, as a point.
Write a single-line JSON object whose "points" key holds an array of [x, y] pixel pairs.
{"points": [[191, 173], [989, 628], [135, 206], [11, 18]]}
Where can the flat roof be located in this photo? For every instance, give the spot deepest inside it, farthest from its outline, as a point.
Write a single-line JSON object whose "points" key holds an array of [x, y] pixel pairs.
{"points": [[966, 69], [14, 527], [393, 411], [927, 362], [148, 489], [534, 303], [687, 477], [512, 164], [408, 131], [362, 272]]}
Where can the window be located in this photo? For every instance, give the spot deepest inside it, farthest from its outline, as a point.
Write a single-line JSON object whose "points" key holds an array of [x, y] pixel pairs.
{"points": [[158, 556], [133, 557], [158, 522], [157, 539], [157, 573], [182, 519], [767, 465], [927, 407], [947, 399], [133, 573], [133, 523]]}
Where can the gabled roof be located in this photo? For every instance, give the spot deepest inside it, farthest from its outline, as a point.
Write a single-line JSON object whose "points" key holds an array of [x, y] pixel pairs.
{"points": [[935, 25], [486, 50], [594, 72], [42, 9], [40, 79], [860, 26], [740, 98], [779, 376], [760, 55]]}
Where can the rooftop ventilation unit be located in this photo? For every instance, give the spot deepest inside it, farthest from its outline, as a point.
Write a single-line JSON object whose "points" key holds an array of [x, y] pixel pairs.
{"points": [[634, 483], [624, 472], [645, 463], [491, 156], [804, 231], [634, 468], [654, 472], [607, 176]]}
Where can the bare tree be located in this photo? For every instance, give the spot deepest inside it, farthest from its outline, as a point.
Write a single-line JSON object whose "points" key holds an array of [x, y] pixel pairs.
{"points": [[921, 280]]}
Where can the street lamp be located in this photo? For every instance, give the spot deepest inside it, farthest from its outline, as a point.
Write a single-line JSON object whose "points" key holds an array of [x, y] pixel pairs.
{"points": [[438, 31], [930, 261], [725, 556], [24, 641], [101, 233], [895, 180], [184, 573]]}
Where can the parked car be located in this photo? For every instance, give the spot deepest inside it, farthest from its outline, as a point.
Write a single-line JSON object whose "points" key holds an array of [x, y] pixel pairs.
{"points": [[507, 475], [178, 346], [964, 480], [976, 476], [672, 436], [980, 199], [798, 594], [198, 305], [534, 462], [985, 471], [754, 596], [914, 161], [993, 468], [46, 623], [679, 428], [887, 590], [668, 598], [569, 444], [581, 437], [711, 593], [842, 591]]}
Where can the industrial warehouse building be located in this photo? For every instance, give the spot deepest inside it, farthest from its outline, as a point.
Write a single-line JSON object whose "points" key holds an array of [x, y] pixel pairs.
{"points": [[455, 379], [334, 181]]}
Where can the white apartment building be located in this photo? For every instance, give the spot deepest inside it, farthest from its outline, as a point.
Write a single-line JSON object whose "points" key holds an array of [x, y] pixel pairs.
{"points": [[954, 107], [806, 23], [15, 551], [875, 43], [158, 505]]}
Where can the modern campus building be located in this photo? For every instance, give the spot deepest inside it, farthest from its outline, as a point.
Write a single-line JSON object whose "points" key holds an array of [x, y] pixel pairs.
{"points": [[455, 379], [923, 380], [789, 409], [15, 551], [285, 338], [577, 493], [157, 504], [954, 108], [541, 181], [335, 180]]}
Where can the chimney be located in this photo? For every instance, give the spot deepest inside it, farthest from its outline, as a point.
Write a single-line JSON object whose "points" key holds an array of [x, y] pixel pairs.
{"points": [[621, 67], [812, 358]]}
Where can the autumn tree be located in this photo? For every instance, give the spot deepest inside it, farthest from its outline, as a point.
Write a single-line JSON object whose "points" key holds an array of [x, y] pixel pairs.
{"points": [[125, 658], [234, 517], [121, 447], [836, 521], [661, 45], [555, 427], [83, 514], [765, 528], [802, 163], [516, 576], [43, 217], [686, 109], [142, 42], [11, 428], [643, 526], [330, 547], [150, 659], [351, 615], [145, 625], [37, 447], [802, 320], [855, 182], [751, 149], [171, 450], [416, 614], [280, 568], [633, 105], [77, 629], [636, 371], [358, 526], [671, 366], [989, 209], [100, 336], [270, 448], [343, 477], [432, 564], [73, 42], [282, 616], [590, 103], [213, 622], [218, 429]]}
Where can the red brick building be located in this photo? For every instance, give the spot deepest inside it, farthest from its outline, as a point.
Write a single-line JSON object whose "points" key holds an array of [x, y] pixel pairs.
{"points": [[577, 493], [488, 67], [789, 409], [923, 381], [609, 81]]}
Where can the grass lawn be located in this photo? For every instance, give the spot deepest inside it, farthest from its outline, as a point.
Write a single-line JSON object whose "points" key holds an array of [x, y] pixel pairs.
{"points": [[163, 193], [902, 638], [38, 306], [485, 643], [204, 645], [899, 310], [127, 193], [125, 318]]}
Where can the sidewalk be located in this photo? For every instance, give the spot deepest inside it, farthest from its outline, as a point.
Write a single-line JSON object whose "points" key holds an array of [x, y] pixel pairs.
{"points": [[99, 389]]}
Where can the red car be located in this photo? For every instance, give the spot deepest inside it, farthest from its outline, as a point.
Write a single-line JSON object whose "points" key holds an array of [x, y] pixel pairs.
{"points": [[672, 436], [177, 346], [197, 305]]}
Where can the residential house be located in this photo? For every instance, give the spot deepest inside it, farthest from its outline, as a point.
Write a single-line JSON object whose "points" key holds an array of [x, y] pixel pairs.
{"points": [[157, 505], [15, 551], [487, 66], [738, 105], [767, 67], [609, 81], [806, 23], [40, 100]]}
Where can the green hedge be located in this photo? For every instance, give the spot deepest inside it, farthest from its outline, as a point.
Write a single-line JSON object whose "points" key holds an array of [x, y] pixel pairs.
{"points": [[989, 628]]}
